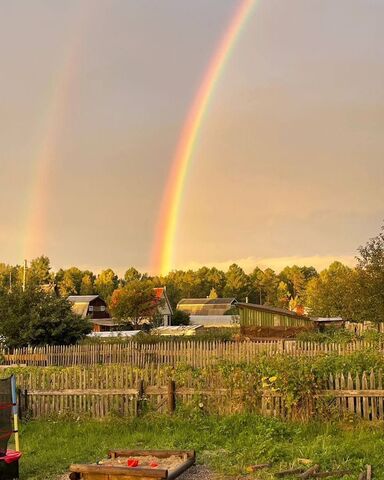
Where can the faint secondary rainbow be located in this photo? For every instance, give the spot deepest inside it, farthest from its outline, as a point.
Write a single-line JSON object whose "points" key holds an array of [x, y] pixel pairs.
{"points": [[41, 179], [169, 213], [35, 235]]}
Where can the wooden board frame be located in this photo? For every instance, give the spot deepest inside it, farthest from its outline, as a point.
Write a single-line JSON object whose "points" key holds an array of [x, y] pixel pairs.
{"points": [[109, 472]]}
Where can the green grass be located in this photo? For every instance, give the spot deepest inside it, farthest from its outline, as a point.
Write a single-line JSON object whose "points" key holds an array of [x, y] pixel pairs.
{"points": [[226, 444]]}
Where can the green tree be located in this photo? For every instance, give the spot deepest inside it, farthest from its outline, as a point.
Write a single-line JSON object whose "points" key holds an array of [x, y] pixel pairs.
{"points": [[295, 280], [135, 305], [237, 283], [39, 271], [257, 294], [269, 282], [37, 318], [283, 295], [10, 277], [87, 286], [330, 294], [132, 274], [180, 318], [105, 284], [369, 288], [69, 281]]}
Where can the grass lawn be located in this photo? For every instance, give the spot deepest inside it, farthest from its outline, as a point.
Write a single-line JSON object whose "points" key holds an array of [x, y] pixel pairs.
{"points": [[225, 444]]}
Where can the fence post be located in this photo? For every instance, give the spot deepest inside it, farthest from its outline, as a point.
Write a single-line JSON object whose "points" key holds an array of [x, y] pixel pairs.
{"points": [[140, 398], [171, 396]]}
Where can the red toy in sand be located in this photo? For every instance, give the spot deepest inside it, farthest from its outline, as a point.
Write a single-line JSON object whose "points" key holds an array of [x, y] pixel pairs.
{"points": [[132, 462]]}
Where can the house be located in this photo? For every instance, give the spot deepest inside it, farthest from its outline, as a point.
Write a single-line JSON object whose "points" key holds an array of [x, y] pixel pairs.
{"points": [[206, 306], [91, 306], [95, 308], [165, 308], [262, 321]]}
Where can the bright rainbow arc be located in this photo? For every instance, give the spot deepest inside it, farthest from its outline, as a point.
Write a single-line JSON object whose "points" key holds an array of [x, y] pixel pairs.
{"points": [[166, 228]]}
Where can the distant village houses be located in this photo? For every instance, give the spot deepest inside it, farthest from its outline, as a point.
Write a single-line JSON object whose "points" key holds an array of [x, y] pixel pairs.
{"points": [[95, 308]]}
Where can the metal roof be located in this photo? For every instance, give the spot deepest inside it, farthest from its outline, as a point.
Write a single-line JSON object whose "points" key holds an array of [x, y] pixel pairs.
{"points": [[328, 319], [207, 301], [82, 298], [105, 322], [123, 333], [269, 309]]}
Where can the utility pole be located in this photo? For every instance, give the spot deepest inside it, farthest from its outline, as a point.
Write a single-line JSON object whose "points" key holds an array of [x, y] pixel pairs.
{"points": [[10, 281], [25, 275]]}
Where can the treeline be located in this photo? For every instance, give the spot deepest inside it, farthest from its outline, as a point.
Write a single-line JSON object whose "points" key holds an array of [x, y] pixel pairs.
{"points": [[353, 293]]}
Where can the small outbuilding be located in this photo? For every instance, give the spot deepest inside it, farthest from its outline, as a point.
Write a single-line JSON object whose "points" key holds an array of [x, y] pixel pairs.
{"points": [[322, 323], [176, 330], [215, 321], [262, 321]]}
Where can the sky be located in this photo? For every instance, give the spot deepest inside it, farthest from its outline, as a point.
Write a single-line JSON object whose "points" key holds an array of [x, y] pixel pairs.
{"points": [[93, 95]]}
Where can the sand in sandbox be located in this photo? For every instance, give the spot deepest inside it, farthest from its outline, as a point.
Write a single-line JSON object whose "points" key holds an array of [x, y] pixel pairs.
{"points": [[145, 461]]}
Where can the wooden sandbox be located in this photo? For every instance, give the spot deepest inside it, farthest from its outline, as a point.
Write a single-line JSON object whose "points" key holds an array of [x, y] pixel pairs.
{"points": [[152, 464]]}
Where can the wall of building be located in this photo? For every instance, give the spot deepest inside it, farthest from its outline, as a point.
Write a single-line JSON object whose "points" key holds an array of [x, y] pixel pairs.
{"points": [[262, 324]]}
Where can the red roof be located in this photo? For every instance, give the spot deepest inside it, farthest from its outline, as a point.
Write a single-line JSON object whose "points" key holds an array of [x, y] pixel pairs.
{"points": [[159, 292]]}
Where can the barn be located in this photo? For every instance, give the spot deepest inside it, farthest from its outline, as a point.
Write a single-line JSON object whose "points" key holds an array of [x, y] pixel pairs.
{"points": [[262, 321]]}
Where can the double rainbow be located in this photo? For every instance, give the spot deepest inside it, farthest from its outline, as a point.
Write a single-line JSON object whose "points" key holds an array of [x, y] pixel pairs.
{"points": [[171, 204]]}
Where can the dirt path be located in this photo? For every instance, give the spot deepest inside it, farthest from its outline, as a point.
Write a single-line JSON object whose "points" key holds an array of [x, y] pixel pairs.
{"points": [[198, 472]]}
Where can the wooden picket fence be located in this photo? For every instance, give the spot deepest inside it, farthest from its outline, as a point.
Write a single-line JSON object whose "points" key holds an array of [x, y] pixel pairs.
{"points": [[124, 391], [361, 328], [194, 353], [353, 396]]}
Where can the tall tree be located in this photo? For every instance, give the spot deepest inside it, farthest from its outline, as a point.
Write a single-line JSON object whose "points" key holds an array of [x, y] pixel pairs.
{"points": [[87, 286], [237, 283], [295, 280], [257, 294], [330, 294], [132, 274], [369, 295], [39, 271], [35, 317], [136, 304], [269, 284], [69, 281], [105, 283]]}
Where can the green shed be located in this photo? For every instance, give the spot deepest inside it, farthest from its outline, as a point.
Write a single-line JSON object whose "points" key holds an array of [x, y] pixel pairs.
{"points": [[262, 321]]}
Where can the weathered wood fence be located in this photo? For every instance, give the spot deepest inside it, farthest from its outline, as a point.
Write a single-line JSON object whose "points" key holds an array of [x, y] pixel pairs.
{"points": [[361, 328], [194, 353], [123, 391]]}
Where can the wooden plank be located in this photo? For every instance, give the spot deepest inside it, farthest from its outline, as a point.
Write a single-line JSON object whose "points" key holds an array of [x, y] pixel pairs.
{"points": [[86, 391], [350, 393], [119, 471]]}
